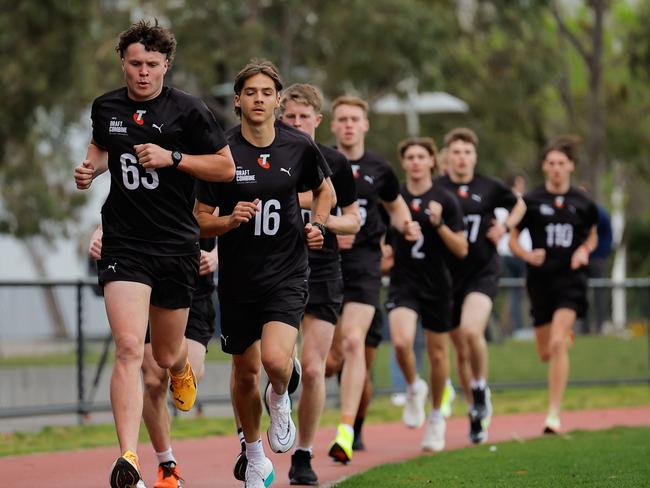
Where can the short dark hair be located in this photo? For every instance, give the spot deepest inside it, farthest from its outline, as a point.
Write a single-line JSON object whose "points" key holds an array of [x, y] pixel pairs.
{"points": [[426, 142], [154, 38], [254, 67], [566, 143], [461, 134], [302, 93]]}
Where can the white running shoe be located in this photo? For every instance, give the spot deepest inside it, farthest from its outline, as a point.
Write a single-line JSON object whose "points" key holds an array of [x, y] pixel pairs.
{"points": [[259, 474], [434, 435], [398, 399], [282, 431], [448, 397], [413, 415], [552, 424]]}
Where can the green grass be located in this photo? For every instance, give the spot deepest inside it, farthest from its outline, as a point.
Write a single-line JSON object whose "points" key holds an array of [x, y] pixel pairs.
{"points": [[598, 357], [67, 438], [616, 457]]}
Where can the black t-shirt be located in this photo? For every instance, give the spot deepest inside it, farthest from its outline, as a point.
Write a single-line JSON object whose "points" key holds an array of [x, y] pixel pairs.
{"points": [[559, 223], [270, 249], [150, 210], [478, 199], [423, 265], [325, 263], [375, 180]]}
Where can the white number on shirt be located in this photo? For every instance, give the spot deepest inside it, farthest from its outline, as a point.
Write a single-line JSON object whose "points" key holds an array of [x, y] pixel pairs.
{"points": [[131, 176], [473, 223], [267, 219], [559, 235]]}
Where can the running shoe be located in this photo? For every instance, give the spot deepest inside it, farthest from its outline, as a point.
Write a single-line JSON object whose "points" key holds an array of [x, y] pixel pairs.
{"points": [[448, 397], [168, 476], [341, 449], [259, 474], [301, 472], [183, 388], [434, 435], [282, 431], [413, 414], [125, 472]]}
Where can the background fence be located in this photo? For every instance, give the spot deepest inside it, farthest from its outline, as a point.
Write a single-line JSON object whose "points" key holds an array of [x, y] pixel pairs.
{"points": [[64, 368]]}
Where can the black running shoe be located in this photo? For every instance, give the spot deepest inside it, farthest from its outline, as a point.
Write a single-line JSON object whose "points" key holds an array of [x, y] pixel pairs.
{"points": [[358, 444], [480, 415], [241, 463], [294, 382], [301, 472]]}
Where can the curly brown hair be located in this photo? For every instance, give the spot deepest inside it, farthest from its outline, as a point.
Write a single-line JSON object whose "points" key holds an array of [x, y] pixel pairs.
{"points": [[154, 37]]}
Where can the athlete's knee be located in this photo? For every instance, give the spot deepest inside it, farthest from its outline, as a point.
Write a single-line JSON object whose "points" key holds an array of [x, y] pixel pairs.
{"points": [[165, 359], [353, 344], [312, 373], [155, 384], [556, 346], [401, 344], [334, 364], [438, 356], [129, 348], [246, 380], [471, 334], [275, 364]]}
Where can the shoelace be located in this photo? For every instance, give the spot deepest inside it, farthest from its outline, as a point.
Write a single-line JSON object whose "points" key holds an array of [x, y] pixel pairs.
{"points": [[169, 470]]}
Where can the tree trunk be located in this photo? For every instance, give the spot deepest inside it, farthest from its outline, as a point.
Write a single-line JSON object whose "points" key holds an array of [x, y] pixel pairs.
{"points": [[57, 321]]}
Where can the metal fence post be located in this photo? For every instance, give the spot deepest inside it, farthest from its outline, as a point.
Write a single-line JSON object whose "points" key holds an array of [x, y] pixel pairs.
{"points": [[81, 410]]}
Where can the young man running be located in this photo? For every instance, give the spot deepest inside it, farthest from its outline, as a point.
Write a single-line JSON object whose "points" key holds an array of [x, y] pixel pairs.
{"points": [[421, 287], [263, 266], [300, 107], [200, 329], [154, 140], [562, 223], [375, 183], [475, 278]]}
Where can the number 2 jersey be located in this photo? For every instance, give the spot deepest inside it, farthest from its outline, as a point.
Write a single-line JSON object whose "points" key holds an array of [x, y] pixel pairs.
{"points": [[421, 267], [150, 210], [558, 223], [270, 249], [478, 199]]}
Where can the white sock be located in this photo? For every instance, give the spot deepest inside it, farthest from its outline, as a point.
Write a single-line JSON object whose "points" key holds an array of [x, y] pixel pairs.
{"points": [[166, 456], [435, 415], [276, 399], [448, 382], [482, 383], [411, 388], [306, 449], [255, 450]]}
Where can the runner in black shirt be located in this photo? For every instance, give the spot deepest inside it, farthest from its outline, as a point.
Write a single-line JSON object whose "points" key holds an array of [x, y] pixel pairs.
{"points": [[263, 265], [476, 277], [300, 107], [562, 224], [361, 254], [421, 286], [154, 140]]}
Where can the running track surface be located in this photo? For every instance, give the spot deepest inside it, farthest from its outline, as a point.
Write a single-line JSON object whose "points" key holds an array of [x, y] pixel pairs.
{"points": [[208, 462]]}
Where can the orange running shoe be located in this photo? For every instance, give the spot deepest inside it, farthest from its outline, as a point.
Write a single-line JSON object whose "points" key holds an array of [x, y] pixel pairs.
{"points": [[126, 472], [183, 388], [168, 476]]}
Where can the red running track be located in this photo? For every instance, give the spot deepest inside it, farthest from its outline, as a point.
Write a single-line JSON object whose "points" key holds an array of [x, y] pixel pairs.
{"points": [[207, 462]]}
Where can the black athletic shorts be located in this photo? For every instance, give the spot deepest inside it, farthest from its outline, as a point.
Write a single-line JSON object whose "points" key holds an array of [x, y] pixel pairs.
{"points": [[325, 299], [172, 278], [435, 312], [550, 292], [374, 335], [361, 276], [242, 322], [485, 282]]}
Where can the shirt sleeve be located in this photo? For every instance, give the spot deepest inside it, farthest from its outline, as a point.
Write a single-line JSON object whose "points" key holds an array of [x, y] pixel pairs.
{"points": [[205, 135], [343, 181], [311, 168], [452, 214], [208, 193], [503, 196], [98, 133], [389, 190]]}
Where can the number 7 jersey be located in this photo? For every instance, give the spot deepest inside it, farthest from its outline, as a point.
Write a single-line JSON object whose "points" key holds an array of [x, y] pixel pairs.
{"points": [[150, 210]]}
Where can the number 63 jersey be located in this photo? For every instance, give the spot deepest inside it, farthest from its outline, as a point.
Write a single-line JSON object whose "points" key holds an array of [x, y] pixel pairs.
{"points": [[150, 210], [269, 249], [558, 223]]}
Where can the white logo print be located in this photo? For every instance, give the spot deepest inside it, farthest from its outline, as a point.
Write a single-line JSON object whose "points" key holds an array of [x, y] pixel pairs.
{"points": [[159, 127], [287, 171], [224, 339], [369, 179], [140, 114], [112, 267], [546, 209], [476, 198]]}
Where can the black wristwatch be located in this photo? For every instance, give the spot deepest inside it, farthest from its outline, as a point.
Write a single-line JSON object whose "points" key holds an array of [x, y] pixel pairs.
{"points": [[176, 158], [323, 229], [440, 223]]}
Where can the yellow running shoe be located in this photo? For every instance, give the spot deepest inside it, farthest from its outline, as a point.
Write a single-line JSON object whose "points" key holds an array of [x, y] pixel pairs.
{"points": [[448, 397], [341, 448], [183, 388], [126, 472]]}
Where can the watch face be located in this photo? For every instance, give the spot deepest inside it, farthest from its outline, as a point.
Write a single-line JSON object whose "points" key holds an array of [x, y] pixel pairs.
{"points": [[176, 156]]}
